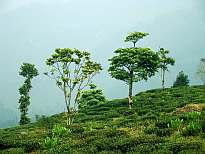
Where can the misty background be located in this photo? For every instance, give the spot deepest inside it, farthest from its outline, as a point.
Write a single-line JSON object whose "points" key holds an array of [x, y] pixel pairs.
{"points": [[30, 30]]}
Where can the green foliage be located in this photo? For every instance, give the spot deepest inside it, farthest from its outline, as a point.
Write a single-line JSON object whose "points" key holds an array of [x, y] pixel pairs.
{"points": [[91, 97], [134, 37], [28, 145], [133, 65], [184, 146], [181, 80], [143, 62], [59, 131], [193, 115], [192, 129], [159, 132], [28, 71], [50, 142], [73, 70], [111, 128], [175, 124], [13, 150], [164, 62]]}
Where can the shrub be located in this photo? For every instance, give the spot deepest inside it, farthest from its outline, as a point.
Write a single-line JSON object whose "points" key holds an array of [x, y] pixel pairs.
{"points": [[91, 97], [44, 121], [159, 132], [59, 131], [181, 80], [13, 150], [193, 115], [162, 123], [163, 132], [50, 142], [76, 129], [175, 124], [192, 129], [143, 112], [202, 123], [182, 146]]}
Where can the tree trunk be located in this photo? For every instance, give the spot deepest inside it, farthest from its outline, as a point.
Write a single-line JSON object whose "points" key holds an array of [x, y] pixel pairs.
{"points": [[130, 101], [163, 79], [134, 44], [67, 105]]}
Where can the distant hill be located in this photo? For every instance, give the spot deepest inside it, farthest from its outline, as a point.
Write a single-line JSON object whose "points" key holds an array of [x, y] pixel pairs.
{"points": [[170, 121]]}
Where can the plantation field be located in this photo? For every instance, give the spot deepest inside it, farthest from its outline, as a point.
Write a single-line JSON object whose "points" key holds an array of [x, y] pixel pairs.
{"points": [[170, 121]]}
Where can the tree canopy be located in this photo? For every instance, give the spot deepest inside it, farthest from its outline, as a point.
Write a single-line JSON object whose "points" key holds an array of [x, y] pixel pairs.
{"points": [[134, 37], [28, 71], [132, 65], [164, 63], [73, 70], [181, 80]]}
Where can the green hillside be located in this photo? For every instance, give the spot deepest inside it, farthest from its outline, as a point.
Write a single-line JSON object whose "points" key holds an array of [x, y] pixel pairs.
{"points": [[166, 122]]}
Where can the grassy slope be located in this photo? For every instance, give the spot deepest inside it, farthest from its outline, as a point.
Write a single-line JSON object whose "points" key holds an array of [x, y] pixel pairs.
{"points": [[113, 128]]}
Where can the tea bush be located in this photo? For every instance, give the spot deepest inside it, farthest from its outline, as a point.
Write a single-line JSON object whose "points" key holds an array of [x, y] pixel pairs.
{"points": [[192, 129], [49, 143], [175, 124]]}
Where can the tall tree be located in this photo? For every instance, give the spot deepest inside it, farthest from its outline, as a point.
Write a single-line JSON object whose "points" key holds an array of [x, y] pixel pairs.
{"points": [[132, 65], [29, 72], [164, 63], [134, 37], [72, 70], [201, 70]]}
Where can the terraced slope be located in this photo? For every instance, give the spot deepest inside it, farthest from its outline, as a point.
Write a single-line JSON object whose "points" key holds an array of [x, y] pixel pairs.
{"points": [[169, 121]]}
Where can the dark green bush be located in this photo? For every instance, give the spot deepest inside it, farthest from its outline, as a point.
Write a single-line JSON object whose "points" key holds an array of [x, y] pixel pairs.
{"points": [[162, 123], [91, 97], [202, 123], [182, 146], [159, 132], [143, 112], [76, 129], [193, 116], [192, 129], [175, 124], [128, 113], [181, 80], [13, 151], [28, 145]]}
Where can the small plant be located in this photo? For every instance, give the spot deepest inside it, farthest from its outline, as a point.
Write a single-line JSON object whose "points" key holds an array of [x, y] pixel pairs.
{"points": [[192, 129], [175, 124], [50, 142], [59, 131], [193, 115]]}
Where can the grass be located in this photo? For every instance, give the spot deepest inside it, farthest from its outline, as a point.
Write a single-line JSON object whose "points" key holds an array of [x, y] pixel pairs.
{"points": [[154, 125]]}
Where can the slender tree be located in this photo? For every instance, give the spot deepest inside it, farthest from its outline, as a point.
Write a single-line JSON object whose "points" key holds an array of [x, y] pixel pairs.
{"points": [[132, 65], [201, 70], [164, 63], [29, 72], [134, 37], [72, 70]]}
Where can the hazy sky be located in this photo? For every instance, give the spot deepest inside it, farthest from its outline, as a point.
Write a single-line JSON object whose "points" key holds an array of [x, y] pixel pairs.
{"points": [[31, 29]]}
